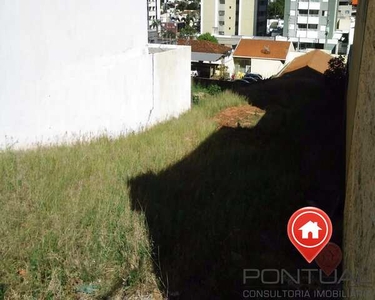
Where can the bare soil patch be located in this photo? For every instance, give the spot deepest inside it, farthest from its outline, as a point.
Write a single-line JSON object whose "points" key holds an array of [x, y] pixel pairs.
{"points": [[244, 116]]}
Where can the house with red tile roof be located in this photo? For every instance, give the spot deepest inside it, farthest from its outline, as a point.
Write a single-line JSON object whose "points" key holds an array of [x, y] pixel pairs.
{"points": [[316, 60], [208, 58], [262, 56]]}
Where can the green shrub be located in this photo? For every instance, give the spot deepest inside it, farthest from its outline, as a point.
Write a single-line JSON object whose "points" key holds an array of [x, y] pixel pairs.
{"points": [[214, 89], [195, 99], [208, 37]]}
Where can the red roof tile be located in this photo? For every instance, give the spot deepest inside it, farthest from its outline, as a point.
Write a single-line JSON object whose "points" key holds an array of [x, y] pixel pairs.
{"points": [[204, 46], [316, 60], [267, 49]]}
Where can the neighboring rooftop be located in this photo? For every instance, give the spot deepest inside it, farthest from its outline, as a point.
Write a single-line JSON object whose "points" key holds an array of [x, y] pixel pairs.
{"points": [[204, 46], [202, 56], [316, 60], [267, 49]]}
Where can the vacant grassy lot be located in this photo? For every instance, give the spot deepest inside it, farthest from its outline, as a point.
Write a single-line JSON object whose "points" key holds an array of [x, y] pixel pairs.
{"points": [[67, 227], [182, 208]]}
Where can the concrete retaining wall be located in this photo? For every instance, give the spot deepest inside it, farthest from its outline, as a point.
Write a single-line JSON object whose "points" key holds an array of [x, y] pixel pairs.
{"points": [[82, 68]]}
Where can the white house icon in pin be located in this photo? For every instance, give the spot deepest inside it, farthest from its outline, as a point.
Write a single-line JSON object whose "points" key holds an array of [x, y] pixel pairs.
{"points": [[310, 227]]}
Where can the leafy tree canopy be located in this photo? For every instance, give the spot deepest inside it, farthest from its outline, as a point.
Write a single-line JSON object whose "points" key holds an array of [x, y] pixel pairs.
{"points": [[187, 31], [207, 37], [276, 9], [182, 6], [192, 6]]}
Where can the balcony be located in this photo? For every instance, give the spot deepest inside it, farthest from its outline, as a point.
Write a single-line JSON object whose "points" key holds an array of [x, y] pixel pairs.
{"points": [[314, 5], [302, 19], [309, 5], [313, 20], [301, 33], [312, 34], [303, 5]]}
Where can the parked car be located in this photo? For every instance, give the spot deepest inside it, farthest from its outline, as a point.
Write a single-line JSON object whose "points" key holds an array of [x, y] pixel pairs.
{"points": [[255, 76], [240, 82], [250, 79]]}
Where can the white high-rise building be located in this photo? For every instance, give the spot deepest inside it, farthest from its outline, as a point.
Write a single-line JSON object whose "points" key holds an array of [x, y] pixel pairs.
{"points": [[313, 23], [234, 17], [153, 12]]}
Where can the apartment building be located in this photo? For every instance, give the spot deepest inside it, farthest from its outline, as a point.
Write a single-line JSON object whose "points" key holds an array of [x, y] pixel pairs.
{"points": [[153, 12], [234, 17], [311, 22]]}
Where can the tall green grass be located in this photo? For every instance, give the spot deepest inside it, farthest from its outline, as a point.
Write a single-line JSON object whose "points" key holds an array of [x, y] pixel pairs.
{"points": [[66, 225]]}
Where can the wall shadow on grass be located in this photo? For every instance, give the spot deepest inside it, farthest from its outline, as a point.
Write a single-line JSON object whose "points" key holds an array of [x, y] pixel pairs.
{"points": [[225, 206]]}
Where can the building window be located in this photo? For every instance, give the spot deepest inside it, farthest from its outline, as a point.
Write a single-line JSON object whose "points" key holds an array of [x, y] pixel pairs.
{"points": [[221, 13], [302, 12], [221, 32], [313, 12], [302, 26], [313, 26], [222, 1], [221, 23]]}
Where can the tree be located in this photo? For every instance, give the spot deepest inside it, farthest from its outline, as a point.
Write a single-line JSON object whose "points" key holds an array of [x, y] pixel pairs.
{"points": [[182, 6], [189, 21], [276, 9], [207, 37], [190, 18], [156, 24], [187, 32], [335, 75], [168, 34], [192, 6]]}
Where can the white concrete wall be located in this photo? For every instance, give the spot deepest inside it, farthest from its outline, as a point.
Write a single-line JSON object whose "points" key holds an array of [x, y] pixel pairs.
{"points": [[172, 82], [76, 68], [266, 67], [293, 55], [229, 62]]}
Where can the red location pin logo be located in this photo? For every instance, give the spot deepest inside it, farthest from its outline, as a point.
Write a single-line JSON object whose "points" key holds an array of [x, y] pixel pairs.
{"points": [[329, 258], [309, 230]]}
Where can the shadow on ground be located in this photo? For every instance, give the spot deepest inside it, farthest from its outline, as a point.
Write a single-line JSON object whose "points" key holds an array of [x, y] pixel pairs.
{"points": [[225, 206]]}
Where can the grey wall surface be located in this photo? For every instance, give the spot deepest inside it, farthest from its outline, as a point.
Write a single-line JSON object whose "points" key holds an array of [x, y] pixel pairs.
{"points": [[359, 235]]}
